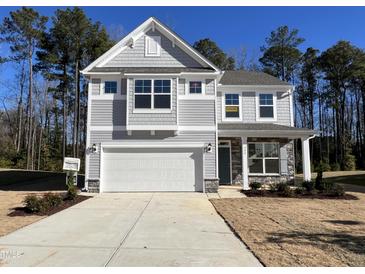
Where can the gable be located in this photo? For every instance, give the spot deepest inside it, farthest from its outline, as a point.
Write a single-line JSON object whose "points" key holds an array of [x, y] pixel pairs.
{"points": [[171, 55]]}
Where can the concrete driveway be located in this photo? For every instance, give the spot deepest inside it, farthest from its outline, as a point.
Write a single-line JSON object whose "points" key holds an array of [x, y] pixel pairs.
{"points": [[139, 229]]}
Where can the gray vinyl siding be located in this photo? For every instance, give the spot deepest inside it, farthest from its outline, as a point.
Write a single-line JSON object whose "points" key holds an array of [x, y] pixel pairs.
{"points": [[196, 112], [283, 109], [209, 87], [108, 113], [152, 118], [206, 137], [170, 56], [249, 108], [95, 86], [181, 86]]}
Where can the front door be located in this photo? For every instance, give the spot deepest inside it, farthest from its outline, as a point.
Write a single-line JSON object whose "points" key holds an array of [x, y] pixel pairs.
{"points": [[224, 163]]}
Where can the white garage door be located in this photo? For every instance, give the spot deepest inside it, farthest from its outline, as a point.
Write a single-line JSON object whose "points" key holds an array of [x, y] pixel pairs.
{"points": [[152, 169]]}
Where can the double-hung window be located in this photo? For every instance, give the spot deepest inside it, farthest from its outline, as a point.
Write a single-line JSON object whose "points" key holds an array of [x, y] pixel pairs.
{"points": [[232, 106], [263, 158], [110, 87], [195, 87], [143, 94], [266, 106], [152, 94]]}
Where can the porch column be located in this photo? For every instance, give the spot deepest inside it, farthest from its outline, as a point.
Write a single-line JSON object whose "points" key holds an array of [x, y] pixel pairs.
{"points": [[244, 163], [306, 160]]}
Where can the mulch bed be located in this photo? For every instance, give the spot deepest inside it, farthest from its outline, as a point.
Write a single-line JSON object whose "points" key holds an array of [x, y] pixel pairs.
{"points": [[269, 194], [21, 211]]}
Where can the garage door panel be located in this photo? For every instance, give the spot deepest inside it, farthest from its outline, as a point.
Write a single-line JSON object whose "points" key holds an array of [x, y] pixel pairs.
{"points": [[152, 170]]}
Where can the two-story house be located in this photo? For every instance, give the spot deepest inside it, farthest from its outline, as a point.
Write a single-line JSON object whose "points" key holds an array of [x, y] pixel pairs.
{"points": [[161, 117]]}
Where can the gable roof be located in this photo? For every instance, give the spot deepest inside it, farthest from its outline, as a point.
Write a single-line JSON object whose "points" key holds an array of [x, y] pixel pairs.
{"points": [[250, 78], [128, 40]]}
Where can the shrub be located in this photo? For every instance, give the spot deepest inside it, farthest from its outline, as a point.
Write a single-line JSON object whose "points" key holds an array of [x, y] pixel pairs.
{"points": [[299, 190], [273, 187], [51, 200], [319, 181], [32, 203], [349, 163], [338, 190], [71, 192], [308, 185], [284, 190], [255, 185]]}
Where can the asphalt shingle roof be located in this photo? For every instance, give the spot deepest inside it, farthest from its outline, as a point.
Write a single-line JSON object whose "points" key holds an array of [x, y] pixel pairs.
{"points": [[149, 69], [263, 126], [243, 77]]}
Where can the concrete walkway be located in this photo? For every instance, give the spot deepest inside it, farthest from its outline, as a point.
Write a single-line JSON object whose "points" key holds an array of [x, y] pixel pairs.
{"points": [[140, 229]]}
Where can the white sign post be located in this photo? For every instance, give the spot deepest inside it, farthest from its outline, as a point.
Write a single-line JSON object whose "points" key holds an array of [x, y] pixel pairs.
{"points": [[72, 166]]}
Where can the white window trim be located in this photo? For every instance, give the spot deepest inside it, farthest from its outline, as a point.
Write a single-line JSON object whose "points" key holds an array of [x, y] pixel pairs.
{"points": [[274, 98], [263, 159], [194, 94], [103, 95], [231, 119], [187, 86], [152, 109], [146, 47]]}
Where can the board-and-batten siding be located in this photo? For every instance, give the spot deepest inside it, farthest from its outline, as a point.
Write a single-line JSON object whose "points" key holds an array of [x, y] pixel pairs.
{"points": [[108, 113], [196, 112], [152, 118], [249, 108], [206, 137], [181, 86], [170, 56]]}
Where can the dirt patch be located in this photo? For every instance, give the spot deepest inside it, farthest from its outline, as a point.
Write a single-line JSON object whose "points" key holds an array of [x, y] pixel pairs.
{"points": [[10, 200], [299, 232]]}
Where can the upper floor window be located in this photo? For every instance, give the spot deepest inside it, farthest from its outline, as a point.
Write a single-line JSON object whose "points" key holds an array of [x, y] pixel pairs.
{"points": [[195, 87], [263, 158], [266, 106], [152, 45], [232, 106], [152, 94], [110, 87]]}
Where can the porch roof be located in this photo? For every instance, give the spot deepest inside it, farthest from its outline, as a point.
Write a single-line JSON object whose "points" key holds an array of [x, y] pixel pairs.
{"points": [[263, 130]]}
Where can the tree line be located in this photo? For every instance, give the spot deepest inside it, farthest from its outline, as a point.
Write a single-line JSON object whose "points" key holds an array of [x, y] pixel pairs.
{"points": [[43, 111]]}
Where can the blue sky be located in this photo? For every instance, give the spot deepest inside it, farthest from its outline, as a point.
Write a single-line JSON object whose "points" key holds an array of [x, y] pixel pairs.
{"points": [[233, 27]]}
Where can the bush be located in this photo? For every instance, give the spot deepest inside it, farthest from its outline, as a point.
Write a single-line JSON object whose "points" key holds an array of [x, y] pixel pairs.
{"points": [[319, 180], [273, 187], [299, 190], [38, 204], [255, 185], [71, 192], [338, 190], [308, 185], [32, 203], [51, 200], [281, 187], [349, 163]]}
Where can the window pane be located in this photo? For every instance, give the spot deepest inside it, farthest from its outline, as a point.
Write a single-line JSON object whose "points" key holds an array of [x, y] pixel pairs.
{"points": [[255, 166], [272, 165], [162, 101], [232, 99], [266, 99], [142, 86], [271, 150], [162, 86], [232, 112], [195, 87], [267, 112], [110, 87], [142, 101], [255, 150]]}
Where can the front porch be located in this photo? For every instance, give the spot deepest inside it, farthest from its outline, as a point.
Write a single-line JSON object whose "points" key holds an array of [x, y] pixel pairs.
{"points": [[260, 153]]}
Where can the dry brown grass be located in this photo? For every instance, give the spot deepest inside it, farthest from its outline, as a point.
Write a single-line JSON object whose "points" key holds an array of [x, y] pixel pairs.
{"points": [[9, 200], [299, 232]]}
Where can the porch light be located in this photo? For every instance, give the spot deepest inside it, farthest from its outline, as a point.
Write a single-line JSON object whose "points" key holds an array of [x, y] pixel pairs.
{"points": [[208, 148], [93, 148]]}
